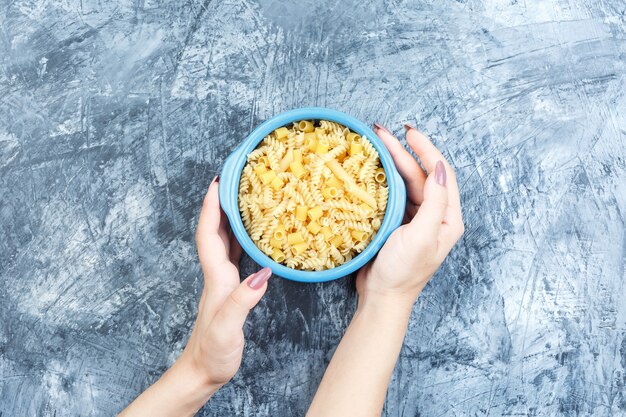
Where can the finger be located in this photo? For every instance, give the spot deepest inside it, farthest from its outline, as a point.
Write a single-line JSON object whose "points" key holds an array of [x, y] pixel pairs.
{"points": [[219, 283], [209, 220], [232, 314], [429, 155], [211, 248], [408, 167], [427, 222]]}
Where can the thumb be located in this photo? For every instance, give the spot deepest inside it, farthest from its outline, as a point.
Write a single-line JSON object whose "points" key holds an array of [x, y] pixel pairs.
{"points": [[432, 212], [232, 315]]}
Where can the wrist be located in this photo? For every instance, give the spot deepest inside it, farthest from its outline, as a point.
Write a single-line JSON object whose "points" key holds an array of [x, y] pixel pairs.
{"points": [[399, 298], [188, 369], [387, 302], [192, 386], [179, 392]]}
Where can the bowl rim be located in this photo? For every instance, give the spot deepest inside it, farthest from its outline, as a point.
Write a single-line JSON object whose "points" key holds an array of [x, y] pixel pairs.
{"points": [[229, 193]]}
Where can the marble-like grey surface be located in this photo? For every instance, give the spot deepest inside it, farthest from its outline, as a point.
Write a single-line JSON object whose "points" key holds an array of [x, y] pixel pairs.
{"points": [[114, 117]]}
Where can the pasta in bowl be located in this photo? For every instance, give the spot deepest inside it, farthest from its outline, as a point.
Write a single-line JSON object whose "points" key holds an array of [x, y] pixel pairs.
{"points": [[312, 193]]}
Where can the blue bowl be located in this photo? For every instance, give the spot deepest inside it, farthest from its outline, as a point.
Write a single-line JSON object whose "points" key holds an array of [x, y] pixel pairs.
{"points": [[229, 191]]}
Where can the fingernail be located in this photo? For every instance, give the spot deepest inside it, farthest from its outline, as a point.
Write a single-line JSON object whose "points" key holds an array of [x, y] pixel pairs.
{"points": [[381, 127], [409, 127], [259, 278], [216, 179], [440, 174]]}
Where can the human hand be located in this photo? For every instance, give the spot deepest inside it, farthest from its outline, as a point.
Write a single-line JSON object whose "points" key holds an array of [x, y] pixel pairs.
{"points": [[213, 353], [216, 343], [358, 375], [432, 225]]}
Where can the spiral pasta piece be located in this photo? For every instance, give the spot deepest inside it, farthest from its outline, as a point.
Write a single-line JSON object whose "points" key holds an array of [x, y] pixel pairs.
{"points": [[257, 153]]}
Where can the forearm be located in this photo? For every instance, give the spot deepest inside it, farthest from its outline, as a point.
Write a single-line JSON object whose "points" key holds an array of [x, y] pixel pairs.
{"points": [[180, 392], [355, 382]]}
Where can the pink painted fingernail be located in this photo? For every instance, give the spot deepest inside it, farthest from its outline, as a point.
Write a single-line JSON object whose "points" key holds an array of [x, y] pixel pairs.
{"points": [[440, 173], [409, 127], [259, 278], [381, 127]]}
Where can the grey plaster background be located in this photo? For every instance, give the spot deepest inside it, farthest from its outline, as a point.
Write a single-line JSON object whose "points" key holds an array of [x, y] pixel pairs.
{"points": [[115, 115]]}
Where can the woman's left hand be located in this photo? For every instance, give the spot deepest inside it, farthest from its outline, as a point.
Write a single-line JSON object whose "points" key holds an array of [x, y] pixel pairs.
{"points": [[213, 353], [216, 344]]}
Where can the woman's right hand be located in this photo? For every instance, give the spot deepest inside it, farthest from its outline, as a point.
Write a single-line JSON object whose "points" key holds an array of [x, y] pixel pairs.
{"points": [[358, 375], [433, 222]]}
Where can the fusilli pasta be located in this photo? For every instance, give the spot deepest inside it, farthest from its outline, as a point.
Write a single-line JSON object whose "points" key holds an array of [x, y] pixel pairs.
{"points": [[313, 197]]}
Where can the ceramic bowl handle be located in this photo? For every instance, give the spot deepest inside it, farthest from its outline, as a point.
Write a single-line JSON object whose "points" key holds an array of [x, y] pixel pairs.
{"points": [[398, 205], [228, 190]]}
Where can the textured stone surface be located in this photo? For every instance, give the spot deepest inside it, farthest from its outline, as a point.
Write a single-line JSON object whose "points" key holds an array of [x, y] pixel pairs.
{"points": [[114, 117]]}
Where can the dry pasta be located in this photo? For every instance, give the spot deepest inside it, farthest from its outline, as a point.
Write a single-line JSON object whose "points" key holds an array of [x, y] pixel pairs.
{"points": [[312, 196]]}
